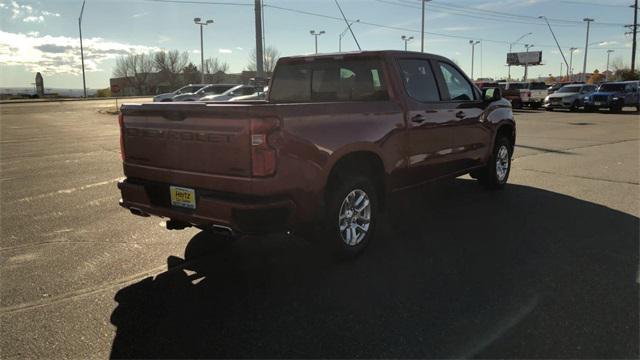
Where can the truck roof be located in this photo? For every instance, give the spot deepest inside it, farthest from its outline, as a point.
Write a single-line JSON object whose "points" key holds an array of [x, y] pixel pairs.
{"points": [[365, 53]]}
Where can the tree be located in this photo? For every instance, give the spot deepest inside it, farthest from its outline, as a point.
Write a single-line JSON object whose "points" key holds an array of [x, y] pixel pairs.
{"points": [[191, 74], [135, 68], [213, 65], [595, 78], [270, 55], [169, 64]]}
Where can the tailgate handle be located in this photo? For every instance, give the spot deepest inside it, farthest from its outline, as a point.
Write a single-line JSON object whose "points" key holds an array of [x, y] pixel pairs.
{"points": [[174, 116]]}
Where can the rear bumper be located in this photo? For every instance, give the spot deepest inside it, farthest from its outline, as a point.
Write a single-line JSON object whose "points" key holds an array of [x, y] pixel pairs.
{"points": [[250, 215]]}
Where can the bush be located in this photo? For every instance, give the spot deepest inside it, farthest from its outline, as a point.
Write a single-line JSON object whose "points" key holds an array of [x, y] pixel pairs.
{"points": [[103, 92]]}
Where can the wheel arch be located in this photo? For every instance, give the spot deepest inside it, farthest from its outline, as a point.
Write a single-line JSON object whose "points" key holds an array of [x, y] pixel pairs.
{"points": [[362, 161]]}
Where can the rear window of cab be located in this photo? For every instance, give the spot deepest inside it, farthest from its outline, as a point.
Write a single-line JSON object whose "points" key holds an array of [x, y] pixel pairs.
{"points": [[329, 80]]}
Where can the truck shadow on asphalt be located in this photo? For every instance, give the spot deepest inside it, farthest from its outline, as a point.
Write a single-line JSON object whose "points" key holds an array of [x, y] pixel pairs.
{"points": [[455, 271]]}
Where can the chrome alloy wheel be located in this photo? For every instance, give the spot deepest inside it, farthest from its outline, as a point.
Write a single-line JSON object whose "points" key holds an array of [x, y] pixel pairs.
{"points": [[354, 217], [502, 163]]}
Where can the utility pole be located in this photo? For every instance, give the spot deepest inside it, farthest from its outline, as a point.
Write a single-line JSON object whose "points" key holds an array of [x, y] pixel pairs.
{"points": [[473, 46], [526, 63], [406, 39], [635, 33], [342, 34], [556, 40], [84, 83], [198, 21], [259, 43], [586, 49], [606, 74], [510, 46], [316, 34], [422, 32], [570, 70]]}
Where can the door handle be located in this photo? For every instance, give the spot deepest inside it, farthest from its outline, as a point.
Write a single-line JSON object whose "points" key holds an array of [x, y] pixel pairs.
{"points": [[418, 119], [460, 115]]}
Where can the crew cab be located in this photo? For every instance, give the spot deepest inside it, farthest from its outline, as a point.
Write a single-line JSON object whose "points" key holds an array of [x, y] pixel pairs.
{"points": [[614, 96], [336, 134]]}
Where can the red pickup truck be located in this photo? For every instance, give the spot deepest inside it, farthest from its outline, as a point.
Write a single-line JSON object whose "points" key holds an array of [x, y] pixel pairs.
{"points": [[336, 134]]}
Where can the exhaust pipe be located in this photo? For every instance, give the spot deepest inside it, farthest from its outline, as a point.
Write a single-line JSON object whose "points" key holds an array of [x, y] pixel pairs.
{"points": [[223, 230]]}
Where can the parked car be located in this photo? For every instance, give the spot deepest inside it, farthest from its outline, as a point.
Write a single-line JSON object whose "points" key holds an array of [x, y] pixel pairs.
{"points": [[259, 95], [535, 95], [568, 97], [213, 89], [615, 96], [325, 151], [555, 87], [512, 92], [239, 90], [486, 84], [188, 89]]}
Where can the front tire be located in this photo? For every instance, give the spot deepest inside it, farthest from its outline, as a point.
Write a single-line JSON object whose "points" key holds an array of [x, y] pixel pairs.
{"points": [[351, 216], [496, 173]]}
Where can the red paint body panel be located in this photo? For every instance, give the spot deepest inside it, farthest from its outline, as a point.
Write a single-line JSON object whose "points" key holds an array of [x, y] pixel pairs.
{"points": [[207, 147]]}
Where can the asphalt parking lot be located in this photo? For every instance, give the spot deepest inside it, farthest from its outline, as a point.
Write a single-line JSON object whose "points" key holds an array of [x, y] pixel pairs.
{"points": [[547, 268]]}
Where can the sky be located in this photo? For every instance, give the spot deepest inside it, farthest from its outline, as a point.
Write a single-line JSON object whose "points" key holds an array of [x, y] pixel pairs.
{"points": [[43, 35]]}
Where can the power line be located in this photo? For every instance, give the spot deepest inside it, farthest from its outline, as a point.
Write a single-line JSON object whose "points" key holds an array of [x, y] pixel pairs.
{"points": [[335, 18], [503, 15], [590, 4]]}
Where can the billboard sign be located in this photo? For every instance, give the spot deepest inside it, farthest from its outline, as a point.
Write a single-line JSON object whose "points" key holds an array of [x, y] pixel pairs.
{"points": [[525, 58]]}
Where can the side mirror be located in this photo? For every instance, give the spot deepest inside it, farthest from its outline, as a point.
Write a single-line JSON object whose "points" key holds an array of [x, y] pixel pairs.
{"points": [[491, 94]]}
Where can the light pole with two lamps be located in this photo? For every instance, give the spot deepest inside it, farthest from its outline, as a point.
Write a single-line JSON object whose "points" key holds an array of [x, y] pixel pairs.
{"points": [[316, 34], [199, 21], [406, 39]]}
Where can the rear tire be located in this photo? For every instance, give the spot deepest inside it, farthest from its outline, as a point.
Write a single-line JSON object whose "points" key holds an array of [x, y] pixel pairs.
{"points": [[549, 108], [496, 173], [351, 216], [574, 106]]}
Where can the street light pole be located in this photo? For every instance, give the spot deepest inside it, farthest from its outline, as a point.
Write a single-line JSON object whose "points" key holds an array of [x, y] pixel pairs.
{"points": [[422, 32], [526, 63], [316, 34], [342, 34], [606, 74], [84, 83], [406, 39], [586, 49], [510, 47], [570, 71], [473, 46], [198, 21]]}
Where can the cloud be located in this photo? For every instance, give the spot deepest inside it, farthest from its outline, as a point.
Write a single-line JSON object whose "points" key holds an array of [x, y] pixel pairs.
{"points": [[27, 13], [195, 51], [34, 19], [60, 54], [225, 51], [607, 43], [239, 48], [135, 16], [458, 28], [163, 39]]}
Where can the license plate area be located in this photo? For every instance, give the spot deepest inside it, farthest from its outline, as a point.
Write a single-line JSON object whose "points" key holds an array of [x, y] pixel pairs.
{"points": [[183, 197]]}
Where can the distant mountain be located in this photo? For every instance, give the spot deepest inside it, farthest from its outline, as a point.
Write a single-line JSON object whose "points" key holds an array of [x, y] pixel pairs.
{"points": [[60, 91]]}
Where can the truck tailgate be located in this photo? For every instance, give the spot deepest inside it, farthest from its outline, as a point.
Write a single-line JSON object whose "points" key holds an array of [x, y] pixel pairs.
{"points": [[211, 139]]}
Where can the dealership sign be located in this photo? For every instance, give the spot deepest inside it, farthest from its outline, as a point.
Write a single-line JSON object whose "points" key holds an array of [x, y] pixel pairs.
{"points": [[524, 58]]}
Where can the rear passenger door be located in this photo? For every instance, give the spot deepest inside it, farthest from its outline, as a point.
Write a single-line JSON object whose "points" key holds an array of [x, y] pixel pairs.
{"points": [[464, 111], [430, 132]]}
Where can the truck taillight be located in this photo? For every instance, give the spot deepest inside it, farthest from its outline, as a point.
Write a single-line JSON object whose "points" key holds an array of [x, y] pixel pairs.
{"points": [[263, 156], [121, 124]]}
